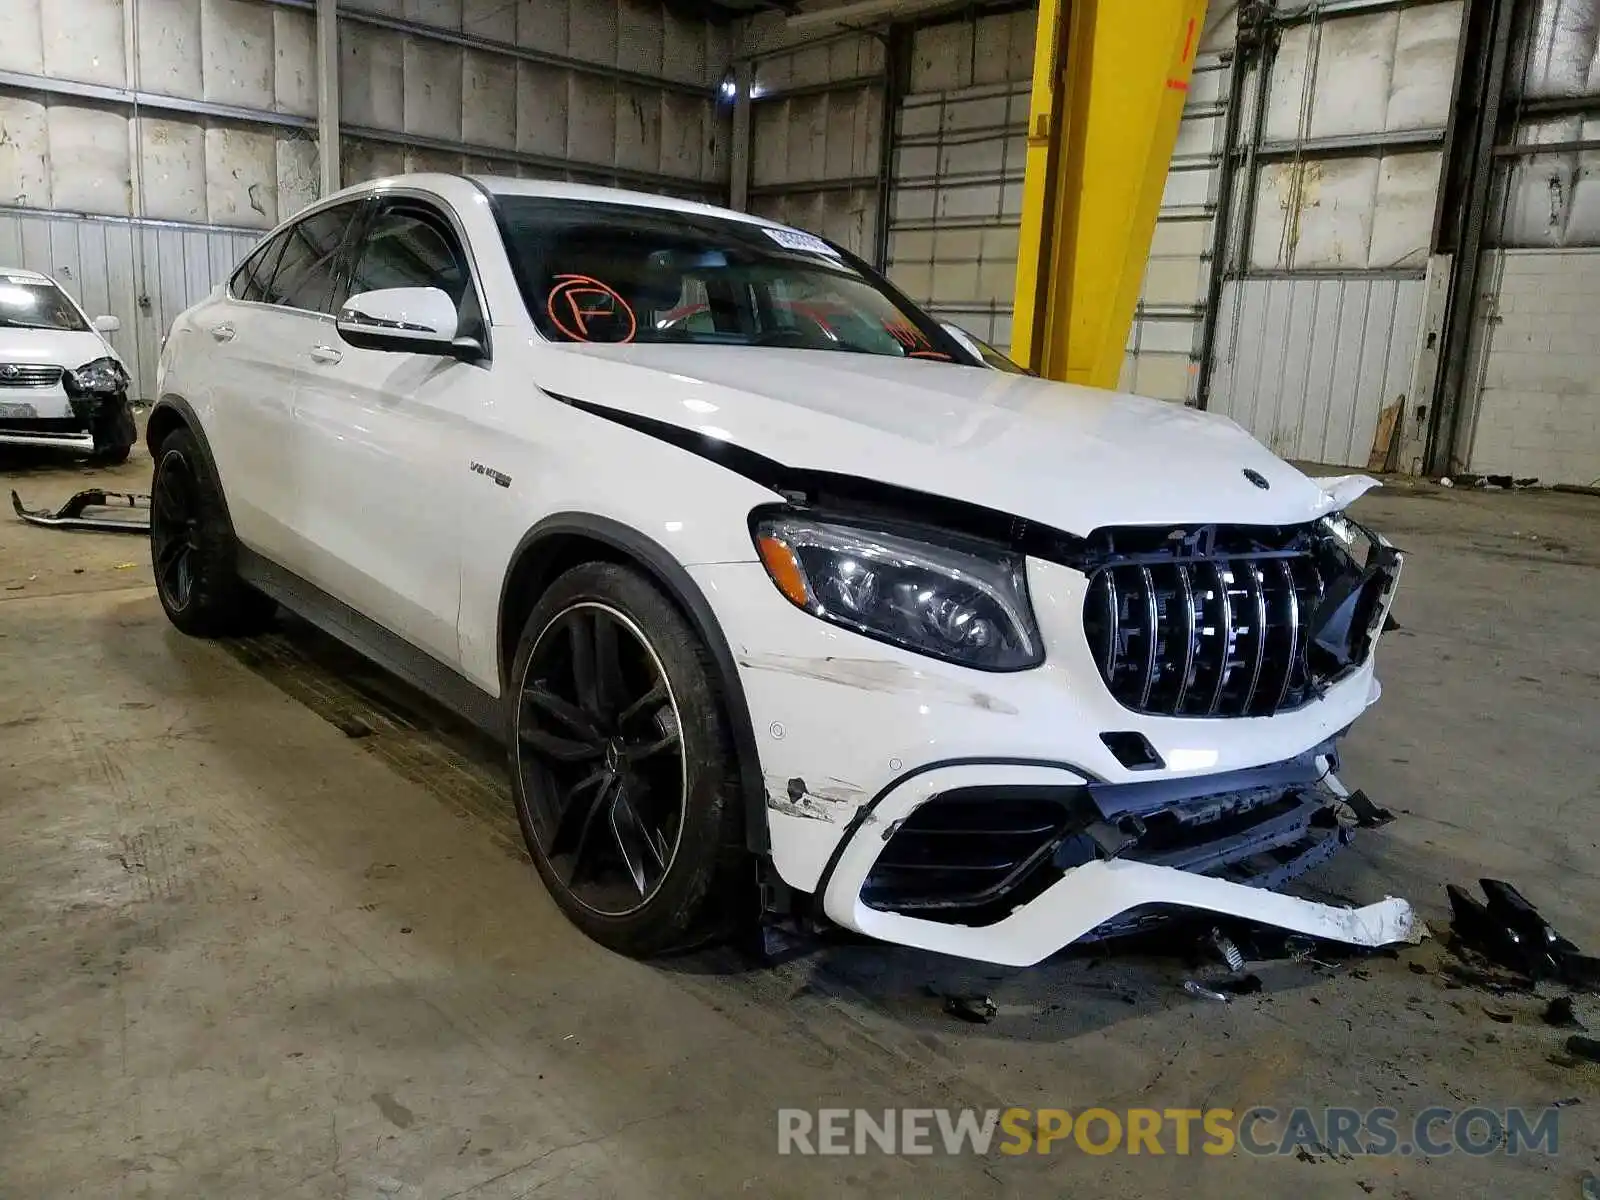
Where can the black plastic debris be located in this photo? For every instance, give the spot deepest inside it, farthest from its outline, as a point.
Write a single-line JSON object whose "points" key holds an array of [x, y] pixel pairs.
{"points": [[1584, 1047], [95, 510], [1245, 985], [1566, 1103], [979, 1010], [1559, 1013], [1509, 931], [1368, 815]]}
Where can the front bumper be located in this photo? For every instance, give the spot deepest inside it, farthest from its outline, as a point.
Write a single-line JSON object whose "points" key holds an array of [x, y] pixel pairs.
{"points": [[1098, 896], [44, 417], [855, 735]]}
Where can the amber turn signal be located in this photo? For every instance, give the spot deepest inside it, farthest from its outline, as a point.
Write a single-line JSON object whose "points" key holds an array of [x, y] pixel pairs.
{"points": [[784, 567]]}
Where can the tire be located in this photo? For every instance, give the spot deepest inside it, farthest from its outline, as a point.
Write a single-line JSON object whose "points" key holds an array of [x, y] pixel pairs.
{"points": [[193, 550], [114, 436], [681, 885]]}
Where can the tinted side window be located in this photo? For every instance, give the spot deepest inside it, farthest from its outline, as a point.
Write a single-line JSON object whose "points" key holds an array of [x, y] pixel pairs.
{"points": [[406, 249], [249, 280], [305, 274]]}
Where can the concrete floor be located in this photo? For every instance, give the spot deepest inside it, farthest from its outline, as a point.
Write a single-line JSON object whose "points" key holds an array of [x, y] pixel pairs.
{"points": [[265, 930]]}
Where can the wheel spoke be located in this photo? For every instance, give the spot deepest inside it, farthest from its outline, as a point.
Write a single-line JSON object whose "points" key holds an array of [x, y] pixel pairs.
{"points": [[656, 695], [172, 495], [574, 806], [650, 749], [633, 842], [585, 674], [609, 685], [558, 749], [574, 718], [173, 549], [580, 852]]}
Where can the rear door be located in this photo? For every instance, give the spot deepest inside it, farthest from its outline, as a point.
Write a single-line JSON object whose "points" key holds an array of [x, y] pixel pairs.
{"points": [[386, 440]]}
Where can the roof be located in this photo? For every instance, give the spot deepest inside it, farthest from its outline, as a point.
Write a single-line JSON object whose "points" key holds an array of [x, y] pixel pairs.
{"points": [[504, 186], [20, 273], [499, 185]]}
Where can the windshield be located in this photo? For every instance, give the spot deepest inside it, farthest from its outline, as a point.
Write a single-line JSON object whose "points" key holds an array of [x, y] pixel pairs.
{"points": [[36, 304], [619, 273]]}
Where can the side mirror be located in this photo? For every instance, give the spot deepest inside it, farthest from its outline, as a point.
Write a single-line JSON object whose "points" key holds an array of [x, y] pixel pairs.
{"points": [[107, 324], [420, 320]]}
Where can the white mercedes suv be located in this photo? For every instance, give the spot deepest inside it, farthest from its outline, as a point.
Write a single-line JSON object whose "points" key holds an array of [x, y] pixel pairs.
{"points": [[785, 606]]}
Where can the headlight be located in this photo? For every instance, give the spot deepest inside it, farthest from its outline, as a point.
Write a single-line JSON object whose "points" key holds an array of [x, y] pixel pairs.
{"points": [[102, 375], [967, 606]]}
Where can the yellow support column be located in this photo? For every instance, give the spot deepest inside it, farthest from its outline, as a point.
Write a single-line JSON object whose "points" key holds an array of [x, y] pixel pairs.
{"points": [[1109, 82]]}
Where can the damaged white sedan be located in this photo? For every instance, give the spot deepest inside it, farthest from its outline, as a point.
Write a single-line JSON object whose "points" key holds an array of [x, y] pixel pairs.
{"points": [[769, 587]]}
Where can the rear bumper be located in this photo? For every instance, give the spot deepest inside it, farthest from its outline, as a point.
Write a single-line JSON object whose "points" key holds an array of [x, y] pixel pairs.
{"points": [[1102, 893]]}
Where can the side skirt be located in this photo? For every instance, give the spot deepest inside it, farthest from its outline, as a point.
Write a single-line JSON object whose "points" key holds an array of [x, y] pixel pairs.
{"points": [[371, 640]]}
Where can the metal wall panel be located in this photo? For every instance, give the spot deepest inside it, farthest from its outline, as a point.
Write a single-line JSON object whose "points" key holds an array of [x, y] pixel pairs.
{"points": [[143, 273], [1306, 365], [817, 134], [1534, 407], [59, 153], [960, 147], [597, 113]]}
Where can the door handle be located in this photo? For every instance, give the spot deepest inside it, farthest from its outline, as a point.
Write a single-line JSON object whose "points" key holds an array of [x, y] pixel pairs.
{"points": [[326, 354], [223, 332]]}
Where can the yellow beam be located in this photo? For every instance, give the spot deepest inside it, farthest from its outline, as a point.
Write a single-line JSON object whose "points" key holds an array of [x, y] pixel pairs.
{"points": [[1109, 82]]}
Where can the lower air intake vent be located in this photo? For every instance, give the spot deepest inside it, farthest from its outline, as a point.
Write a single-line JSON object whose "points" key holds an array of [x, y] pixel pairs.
{"points": [[971, 856]]}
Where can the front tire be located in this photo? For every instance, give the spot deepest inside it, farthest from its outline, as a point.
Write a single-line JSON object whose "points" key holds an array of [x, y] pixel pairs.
{"points": [[622, 766], [193, 550]]}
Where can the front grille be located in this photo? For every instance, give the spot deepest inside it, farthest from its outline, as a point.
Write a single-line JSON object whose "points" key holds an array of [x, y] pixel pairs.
{"points": [[1224, 637], [971, 855], [18, 375]]}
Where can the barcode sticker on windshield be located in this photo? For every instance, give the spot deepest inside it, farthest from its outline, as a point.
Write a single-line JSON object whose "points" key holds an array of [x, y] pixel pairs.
{"points": [[793, 239]]}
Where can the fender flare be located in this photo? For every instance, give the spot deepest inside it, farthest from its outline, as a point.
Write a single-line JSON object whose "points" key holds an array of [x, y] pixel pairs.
{"points": [[680, 586], [190, 421]]}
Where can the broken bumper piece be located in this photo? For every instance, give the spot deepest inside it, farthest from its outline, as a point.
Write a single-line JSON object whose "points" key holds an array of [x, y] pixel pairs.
{"points": [[1010, 864], [101, 511]]}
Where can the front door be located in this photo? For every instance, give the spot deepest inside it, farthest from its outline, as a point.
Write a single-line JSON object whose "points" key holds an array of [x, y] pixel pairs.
{"points": [[385, 438]]}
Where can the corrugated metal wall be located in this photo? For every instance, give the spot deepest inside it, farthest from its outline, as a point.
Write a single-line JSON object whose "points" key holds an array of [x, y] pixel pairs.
{"points": [[1319, 323], [816, 128], [144, 273], [960, 145], [71, 138], [1534, 408], [607, 91], [194, 121]]}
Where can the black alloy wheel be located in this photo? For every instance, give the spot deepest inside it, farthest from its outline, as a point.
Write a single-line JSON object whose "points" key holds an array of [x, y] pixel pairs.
{"points": [[599, 751], [174, 530]]}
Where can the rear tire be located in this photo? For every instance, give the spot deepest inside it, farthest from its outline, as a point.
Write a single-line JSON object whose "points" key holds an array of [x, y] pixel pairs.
{"points": [[623, 770], [193, 550]]}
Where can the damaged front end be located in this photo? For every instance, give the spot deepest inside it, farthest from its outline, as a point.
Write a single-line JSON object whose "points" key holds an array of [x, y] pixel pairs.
{"points": [[1013, 872], [1227, 636]]}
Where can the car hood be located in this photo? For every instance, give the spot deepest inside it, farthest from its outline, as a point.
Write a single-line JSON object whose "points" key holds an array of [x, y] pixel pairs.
{"points": [[1072, 457], [70, 349]]}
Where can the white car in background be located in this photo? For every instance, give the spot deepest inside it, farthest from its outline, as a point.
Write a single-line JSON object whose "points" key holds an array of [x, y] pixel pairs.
{"points": [[62, 386], [768, 586]]}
